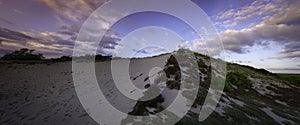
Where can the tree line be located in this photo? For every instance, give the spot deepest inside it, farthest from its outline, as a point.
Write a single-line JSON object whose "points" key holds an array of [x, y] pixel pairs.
{"points": [[29, 54]]}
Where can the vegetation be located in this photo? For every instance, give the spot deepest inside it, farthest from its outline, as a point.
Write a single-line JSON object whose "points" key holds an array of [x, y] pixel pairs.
{"points": [[250, 69], [62, 59], [202, 55], [23, 54], [237, 79], [28, 54], [96, 57], [292, 78], [102, 58], [172, 84]]}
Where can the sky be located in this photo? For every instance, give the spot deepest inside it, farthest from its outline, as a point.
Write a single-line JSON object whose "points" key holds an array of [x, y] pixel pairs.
{"points": [[259, 33]]}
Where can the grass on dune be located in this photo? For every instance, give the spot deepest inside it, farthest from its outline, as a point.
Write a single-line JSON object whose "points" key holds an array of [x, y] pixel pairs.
{"points": [[292, 78]]}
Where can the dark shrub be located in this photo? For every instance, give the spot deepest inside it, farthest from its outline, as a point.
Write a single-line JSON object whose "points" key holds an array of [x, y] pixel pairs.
{"points": [[237, 79], [23, 54], [102, 58], [62, 59]]}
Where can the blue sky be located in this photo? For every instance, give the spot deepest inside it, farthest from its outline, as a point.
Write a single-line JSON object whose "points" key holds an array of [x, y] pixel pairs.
{"points": [[259, 33]]}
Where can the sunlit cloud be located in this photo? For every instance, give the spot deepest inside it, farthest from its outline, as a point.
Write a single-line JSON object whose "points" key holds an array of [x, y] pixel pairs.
{"points": [[48, 42], [256, 9], [281, 25], [76, 10]]}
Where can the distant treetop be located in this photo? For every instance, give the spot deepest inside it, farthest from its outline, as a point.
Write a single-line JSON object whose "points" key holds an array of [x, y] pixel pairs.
{"points": [[23, 54]]}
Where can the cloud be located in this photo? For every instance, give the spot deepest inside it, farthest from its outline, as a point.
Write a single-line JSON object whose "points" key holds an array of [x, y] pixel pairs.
{"points": [[6, 34], [111, 40], [240, 61], [76, 10], [183, 45], [48, 43], [79, 11], [285, 14], [151, 50], [237, 40], [208, 47], [143, 51], [69, 30], [283, 68], [144, 42], [6, 21], [18, 11], [287, 55], [54, 44], [232, 17], [110, 44], [280, 26]]}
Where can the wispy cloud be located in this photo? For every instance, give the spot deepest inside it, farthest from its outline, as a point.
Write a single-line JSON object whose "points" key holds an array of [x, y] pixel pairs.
{"points": [[150, 50], [6, 21], [76, 10], [256, 9], [287, 55], [18, 11], [44, 42], [284, 69], [55, 43]]}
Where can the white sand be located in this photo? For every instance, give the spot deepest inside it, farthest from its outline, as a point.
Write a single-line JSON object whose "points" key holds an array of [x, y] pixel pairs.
{"points": [[39, 94], [45, 94]]}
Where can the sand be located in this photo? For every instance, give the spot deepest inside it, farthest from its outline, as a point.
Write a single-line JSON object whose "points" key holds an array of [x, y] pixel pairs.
{"points": [[45, 93]]}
